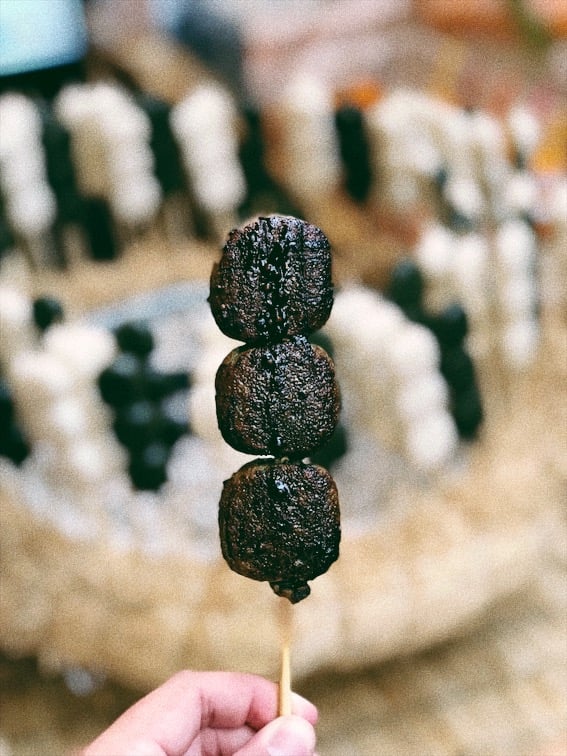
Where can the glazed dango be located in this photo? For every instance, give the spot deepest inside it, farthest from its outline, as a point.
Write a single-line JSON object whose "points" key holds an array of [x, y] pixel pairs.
{"points": [[277, 395]]}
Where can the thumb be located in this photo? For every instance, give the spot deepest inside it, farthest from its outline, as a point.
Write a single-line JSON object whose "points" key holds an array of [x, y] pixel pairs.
{"points": [[284, 736]]}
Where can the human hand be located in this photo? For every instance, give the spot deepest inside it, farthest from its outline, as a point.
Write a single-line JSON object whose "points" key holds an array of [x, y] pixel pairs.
{"points": [[210, 714]]}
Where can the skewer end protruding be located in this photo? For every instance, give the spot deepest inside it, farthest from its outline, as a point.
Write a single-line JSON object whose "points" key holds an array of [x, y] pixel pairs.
{"points": [[286, 619]]}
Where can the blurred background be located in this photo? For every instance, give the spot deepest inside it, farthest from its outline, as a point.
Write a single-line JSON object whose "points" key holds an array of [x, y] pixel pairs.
{"points": [[428, 139]]}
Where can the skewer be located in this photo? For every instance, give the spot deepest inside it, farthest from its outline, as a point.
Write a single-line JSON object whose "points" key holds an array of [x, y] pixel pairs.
{"points": [[284, 704]]}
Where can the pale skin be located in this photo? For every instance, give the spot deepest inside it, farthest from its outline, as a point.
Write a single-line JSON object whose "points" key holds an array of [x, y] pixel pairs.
{"points": [[210, 714]]}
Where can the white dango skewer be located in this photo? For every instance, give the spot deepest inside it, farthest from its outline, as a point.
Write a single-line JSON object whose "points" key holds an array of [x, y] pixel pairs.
{"points": [[515, 246], [387, 128], [86, 349], [434, 254], [309, 139], [420, 397], [38, 379], [465, 196], [73, 108], [88, 462], [424, 157], [365, 378], [425, 394], [67, 419], [405, 154], [76, 110], [413, 137], [432, 441], [205, 126], [415, 351], [520, 193], [430, 435], [64, 416], [524, 131], [397, 370], [134, 191], [555, 257], [450, 128], [470, 262], [524, 128], [453, 132], [30, 203], [493, 168], [16, 324], [111, 149]]}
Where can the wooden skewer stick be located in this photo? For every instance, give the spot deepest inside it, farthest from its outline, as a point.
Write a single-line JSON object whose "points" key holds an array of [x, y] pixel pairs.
{"points": [[285, 683], [284, 707]]}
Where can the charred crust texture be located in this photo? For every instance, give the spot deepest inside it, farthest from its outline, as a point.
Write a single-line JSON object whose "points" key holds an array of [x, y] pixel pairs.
{"points": [[273, 281], [279, 522], [280, 399]]}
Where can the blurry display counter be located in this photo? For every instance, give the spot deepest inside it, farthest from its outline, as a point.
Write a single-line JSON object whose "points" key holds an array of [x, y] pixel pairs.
{"points": [[498, 687], [425, 557], [434, 555], [145, 266], [410, 581]]}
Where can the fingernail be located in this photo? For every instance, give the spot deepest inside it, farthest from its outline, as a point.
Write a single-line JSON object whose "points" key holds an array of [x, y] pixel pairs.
{"points": [[291, 736]]}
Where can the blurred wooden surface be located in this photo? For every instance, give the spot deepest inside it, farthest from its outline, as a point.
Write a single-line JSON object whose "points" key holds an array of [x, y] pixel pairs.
{"points": [[499, 689]]}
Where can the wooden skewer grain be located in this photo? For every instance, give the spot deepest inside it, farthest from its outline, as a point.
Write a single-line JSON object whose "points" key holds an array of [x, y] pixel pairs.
{"points": [[284, 706]]}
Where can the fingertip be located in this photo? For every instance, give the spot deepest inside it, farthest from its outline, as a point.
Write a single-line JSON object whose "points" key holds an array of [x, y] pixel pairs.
{"points": [[283, 736], [304, 708], [291, 735]]}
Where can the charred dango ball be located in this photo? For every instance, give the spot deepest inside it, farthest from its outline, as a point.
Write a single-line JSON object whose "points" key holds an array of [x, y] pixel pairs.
{"points": [[277, 395]]}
